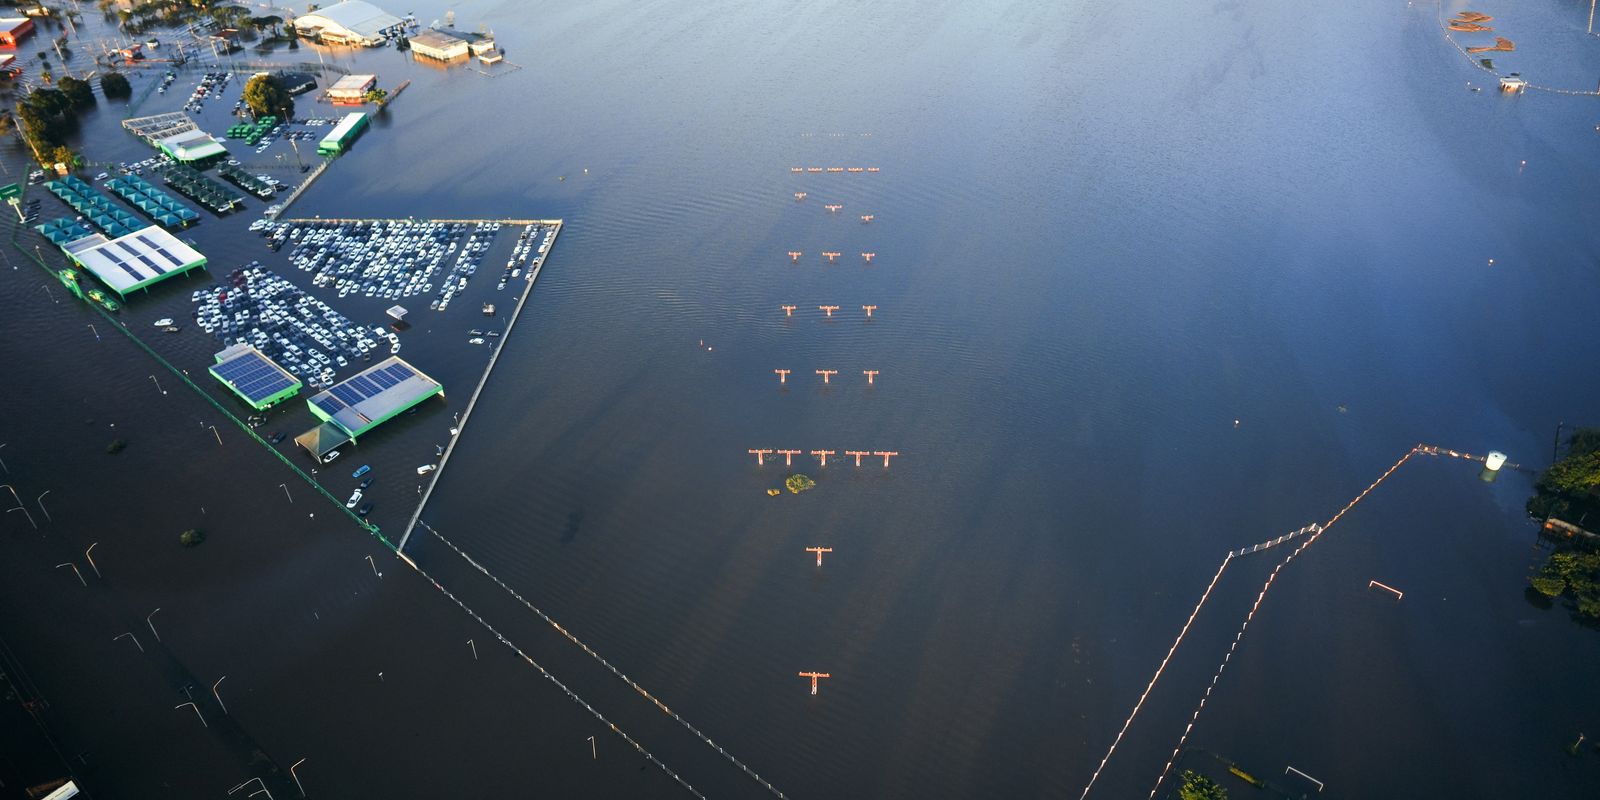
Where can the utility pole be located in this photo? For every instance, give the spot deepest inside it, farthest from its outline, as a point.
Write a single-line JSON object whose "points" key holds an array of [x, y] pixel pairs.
{"points": [[1555, 449]]}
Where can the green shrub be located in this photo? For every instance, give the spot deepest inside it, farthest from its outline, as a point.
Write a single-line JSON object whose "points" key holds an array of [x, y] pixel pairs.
{"points": [[192, 537]]}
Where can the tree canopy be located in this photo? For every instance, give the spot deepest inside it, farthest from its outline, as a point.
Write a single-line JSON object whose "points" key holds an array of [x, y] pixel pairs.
{"points": [[1570, 488], [115, 85], [265, 94], [78, 92], [1198, 787]]}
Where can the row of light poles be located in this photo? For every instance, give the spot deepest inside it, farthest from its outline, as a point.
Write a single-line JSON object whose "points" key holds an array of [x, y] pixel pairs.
{"points": [[216, 688]]}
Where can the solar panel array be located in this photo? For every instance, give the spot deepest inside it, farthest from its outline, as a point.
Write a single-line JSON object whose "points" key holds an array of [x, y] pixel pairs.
{"points": [[361, 387], [254, 376], [123, 255]]}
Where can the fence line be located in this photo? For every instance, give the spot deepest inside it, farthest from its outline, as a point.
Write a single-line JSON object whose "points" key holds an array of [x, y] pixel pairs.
{"points": [[1136, 706], [597, 657], [1238, 637], [553, 679]]}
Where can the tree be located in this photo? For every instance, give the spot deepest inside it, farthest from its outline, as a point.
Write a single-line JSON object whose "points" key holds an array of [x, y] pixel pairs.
{"points": [[115, 85], [1570, 488], [63, 155], [1198, 787], [77, 92], [377, 96], [192, 537], [265, 95]]}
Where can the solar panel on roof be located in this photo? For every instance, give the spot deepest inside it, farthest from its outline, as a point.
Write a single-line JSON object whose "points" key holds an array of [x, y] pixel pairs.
{"points": [[346, 394], [400, 371], [383, 379], [328, 403], [253, 375]]}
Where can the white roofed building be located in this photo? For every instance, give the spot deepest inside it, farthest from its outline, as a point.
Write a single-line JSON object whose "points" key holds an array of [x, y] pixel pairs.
{"points": [[350, 22]]}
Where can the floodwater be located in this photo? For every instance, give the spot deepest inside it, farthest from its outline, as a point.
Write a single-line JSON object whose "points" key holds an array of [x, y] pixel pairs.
{"points": [[1150, 286]]}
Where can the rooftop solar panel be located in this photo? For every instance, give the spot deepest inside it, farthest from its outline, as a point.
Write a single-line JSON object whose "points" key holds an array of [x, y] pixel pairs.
{"points": [[329, 403], [252, 374]]}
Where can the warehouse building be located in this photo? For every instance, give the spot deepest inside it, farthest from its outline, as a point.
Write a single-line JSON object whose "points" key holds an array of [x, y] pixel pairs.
{"points": [[364, 401], [352, 22], [340, 138], [351, 89], [135, 261], [434, 43], [14, 29], [254, 377]]}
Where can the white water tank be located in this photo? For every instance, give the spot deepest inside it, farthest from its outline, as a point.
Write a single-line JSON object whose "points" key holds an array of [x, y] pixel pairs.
{"points": [[1494, 460]]}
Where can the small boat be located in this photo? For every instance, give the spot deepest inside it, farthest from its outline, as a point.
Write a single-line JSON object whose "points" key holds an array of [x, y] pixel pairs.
{"points": [[163, 322], [365, 468]]}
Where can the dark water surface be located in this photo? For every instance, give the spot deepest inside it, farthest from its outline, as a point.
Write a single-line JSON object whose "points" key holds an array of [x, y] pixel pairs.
{"points": [[1104, 234]]}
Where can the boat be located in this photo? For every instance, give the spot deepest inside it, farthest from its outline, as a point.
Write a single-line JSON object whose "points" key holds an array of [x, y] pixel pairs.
{"points": [[365, 468], [163, 322]]}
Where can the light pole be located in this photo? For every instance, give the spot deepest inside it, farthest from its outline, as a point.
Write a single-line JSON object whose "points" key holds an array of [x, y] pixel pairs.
{"points": [[46, 511], [152, 624], [25, 514], [218, 435], [297, 777], [218, 696], [3, 463], [96, 332], [49, 294], [90, 559], [196, 712], [158, 384], [74, 568], [130, 636], [285, 488]]}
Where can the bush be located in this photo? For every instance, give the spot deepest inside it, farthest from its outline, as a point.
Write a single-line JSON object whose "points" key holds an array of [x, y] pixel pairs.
{"points": [[116, 446], [798, 483], [192, 537]]}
